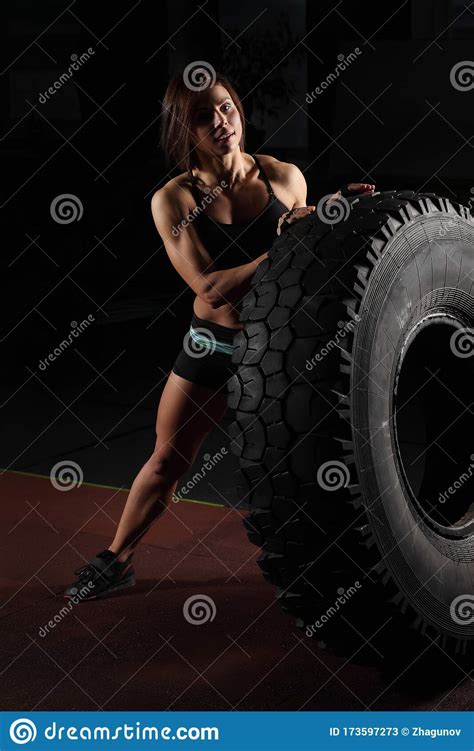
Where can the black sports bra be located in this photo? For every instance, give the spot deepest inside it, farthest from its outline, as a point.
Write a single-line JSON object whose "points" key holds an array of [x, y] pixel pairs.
{"points": [[232, 245]]}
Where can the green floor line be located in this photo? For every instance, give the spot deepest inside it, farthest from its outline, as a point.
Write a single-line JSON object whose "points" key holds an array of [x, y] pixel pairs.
{"points": [[109, 487]]}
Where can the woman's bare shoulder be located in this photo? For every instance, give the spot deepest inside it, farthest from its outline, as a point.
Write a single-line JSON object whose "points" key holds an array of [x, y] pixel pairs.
{"points": [[285, 175], [280, 172], [174, 192]]}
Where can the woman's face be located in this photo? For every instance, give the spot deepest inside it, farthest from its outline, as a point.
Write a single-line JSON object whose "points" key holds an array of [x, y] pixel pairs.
{"points": [[215, 122]]}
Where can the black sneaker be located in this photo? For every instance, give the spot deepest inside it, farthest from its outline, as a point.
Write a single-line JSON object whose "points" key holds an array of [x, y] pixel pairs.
{"points": [[103, 574]]}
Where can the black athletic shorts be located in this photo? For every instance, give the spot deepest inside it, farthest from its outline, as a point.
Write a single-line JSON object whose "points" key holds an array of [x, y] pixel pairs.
{"points": [[206, 355]]}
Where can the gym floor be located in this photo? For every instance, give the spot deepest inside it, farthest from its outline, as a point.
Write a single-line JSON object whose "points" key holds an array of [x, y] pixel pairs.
{"points": [[137, 650]]}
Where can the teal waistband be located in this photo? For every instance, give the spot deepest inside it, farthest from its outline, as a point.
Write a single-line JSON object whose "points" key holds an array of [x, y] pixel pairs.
{"points": [[212, 344]]}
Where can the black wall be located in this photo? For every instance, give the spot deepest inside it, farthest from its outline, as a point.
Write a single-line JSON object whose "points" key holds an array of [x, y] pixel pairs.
{"points": [[392, 117]]}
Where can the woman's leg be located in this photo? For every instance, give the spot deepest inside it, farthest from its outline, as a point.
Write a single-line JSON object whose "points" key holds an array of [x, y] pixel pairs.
{"points": [[187, 412]]}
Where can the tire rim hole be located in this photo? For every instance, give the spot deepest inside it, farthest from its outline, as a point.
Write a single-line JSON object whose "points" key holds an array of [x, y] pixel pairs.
{"points": [[434, 425]]}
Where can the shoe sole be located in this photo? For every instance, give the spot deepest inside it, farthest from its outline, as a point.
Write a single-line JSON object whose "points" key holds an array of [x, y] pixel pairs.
{"points": [[130, 582]]}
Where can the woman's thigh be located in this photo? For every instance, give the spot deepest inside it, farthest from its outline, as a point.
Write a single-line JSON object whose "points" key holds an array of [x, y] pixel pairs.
{"points": [[187, 412]]}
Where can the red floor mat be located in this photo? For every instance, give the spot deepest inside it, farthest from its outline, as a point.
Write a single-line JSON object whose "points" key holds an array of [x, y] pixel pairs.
{"points": [[138, 650]]}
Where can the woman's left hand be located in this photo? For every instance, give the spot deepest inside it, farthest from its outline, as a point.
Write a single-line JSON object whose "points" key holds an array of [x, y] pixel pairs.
{"points": [[356, 188], [292, 216]]}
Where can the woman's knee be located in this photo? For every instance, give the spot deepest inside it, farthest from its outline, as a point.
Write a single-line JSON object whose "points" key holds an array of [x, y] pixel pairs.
{"points": [[168, 465]]}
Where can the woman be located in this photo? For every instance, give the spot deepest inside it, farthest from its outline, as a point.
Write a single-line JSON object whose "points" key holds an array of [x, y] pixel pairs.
{"points": [[217, 219]]}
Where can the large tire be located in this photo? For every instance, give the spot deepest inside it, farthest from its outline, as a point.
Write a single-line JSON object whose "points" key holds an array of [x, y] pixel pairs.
{"points": [[354, 359]]}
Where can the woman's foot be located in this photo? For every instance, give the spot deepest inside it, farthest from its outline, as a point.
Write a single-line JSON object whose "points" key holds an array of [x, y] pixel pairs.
{"points": [[104, 573]]}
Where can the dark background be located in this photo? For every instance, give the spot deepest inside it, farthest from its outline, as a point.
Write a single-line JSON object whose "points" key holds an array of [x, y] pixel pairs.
{"points": [[392, 118]]}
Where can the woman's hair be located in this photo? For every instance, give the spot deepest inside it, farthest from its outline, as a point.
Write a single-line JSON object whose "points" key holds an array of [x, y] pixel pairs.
{"points": [[177, 110]]}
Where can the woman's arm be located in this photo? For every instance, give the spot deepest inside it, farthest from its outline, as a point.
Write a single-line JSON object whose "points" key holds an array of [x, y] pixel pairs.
{"points": [[230, 285], [294, 183], [189, 256]]}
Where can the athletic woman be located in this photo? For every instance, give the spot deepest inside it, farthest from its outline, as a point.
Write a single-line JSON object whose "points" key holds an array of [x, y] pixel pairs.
{"points": [[217, 220]]}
